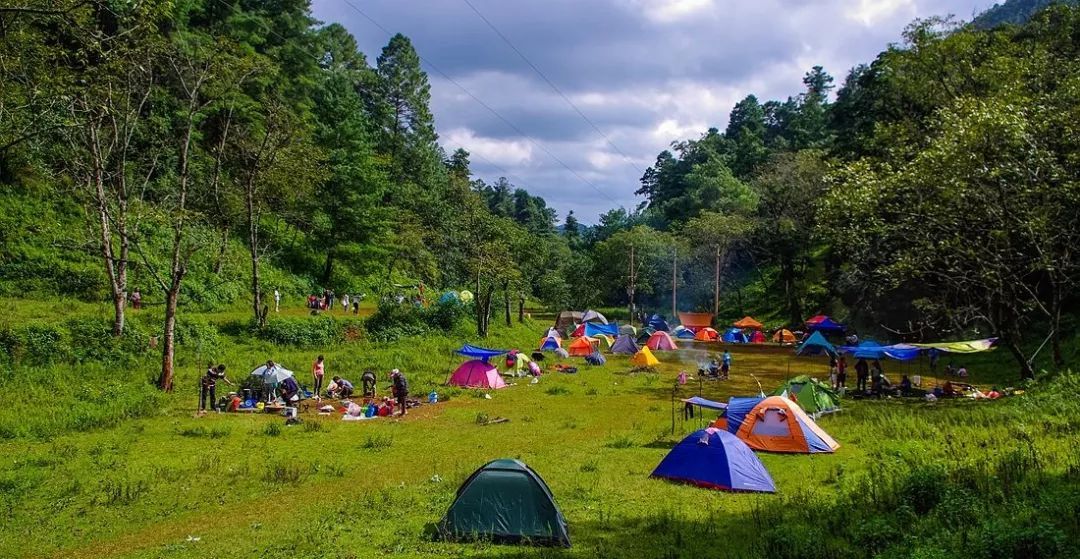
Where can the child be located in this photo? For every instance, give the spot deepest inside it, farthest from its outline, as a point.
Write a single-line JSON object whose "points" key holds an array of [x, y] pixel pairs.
{"points": [[725, 365]]}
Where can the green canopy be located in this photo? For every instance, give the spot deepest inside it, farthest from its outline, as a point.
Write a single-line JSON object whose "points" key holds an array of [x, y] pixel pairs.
{"points": [[507, 502], [813, 396]]}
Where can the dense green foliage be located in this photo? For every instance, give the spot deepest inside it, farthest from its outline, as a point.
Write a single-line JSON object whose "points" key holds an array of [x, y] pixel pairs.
{"points": [[1014, 12]]}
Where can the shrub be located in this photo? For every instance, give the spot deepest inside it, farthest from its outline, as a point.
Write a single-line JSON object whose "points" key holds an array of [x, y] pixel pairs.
{"points": [[320, 330], [198, 334], [392, 321]]}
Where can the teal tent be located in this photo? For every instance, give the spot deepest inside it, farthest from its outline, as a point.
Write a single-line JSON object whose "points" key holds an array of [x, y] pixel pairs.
{"points": [[506, 502], [816, 344]]}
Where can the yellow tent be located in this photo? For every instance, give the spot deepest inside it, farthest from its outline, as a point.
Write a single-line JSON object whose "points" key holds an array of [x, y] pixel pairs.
{"points": [[645, 358]]}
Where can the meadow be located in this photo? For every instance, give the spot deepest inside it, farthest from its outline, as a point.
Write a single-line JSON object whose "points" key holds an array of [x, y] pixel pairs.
{"points": [[95, 463]]}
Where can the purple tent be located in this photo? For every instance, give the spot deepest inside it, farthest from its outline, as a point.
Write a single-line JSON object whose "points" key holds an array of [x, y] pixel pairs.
{"points": [[715, 459]]}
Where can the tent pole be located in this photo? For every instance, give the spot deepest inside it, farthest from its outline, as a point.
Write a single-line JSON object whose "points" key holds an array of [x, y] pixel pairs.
{"points": [[674, 283], [675, 388]]}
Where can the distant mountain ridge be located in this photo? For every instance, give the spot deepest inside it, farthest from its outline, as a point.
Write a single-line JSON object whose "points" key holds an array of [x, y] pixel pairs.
{"points": [[1014, 12]]}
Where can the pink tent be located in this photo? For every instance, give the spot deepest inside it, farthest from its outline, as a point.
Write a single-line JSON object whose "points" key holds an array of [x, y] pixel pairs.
{"points": [[660, 341], [757, 337], [477, 374]]}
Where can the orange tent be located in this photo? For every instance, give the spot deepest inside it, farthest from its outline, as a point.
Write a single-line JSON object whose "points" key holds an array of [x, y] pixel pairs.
{"points": [[775, 424], [783, 336], [707, 335], [695, 320], [582, 347], [747, 322]]}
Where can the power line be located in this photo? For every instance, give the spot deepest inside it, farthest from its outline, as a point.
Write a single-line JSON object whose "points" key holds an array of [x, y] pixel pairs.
{"points": [[489, 109], [555, 88]]}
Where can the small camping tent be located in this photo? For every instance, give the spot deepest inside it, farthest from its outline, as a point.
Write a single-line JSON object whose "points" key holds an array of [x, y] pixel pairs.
{"points": [[579, 331], [595, 358], [734, 336], [624, 345], [747, 323], [715, 459], [562, 353], [812, 395], [757, 337], [566, 319], [822, 323], [816, 344], [507, 502], [477, 374], [627, 329], [466, 296], [707, 335], [449, 297], [695, 320], [582, 346], [645, 358], [553, 332], [775, 424], [682, 333], [783, 336], [550, 343], [657, 322], [593, 316], [661, 341]]}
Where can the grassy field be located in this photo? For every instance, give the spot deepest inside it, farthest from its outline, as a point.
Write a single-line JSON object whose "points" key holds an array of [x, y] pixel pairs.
{"points": [[150, 479]]}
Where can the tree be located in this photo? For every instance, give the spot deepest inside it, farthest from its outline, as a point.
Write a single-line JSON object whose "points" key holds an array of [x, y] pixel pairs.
{"points": [[402, 104], [715, 235]]}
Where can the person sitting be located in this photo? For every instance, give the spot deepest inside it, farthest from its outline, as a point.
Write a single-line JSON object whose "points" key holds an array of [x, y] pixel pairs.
{"points": [[962, 372], [950, 370], [950, 391], [367, 382], [905, 386]]}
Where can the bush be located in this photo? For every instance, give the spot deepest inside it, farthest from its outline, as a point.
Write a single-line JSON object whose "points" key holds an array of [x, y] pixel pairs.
{"points": [[320, 330], [392, 321], [198, 334]]}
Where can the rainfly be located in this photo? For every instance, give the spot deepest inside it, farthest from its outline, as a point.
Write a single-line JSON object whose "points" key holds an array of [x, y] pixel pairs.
{"points": [[274, 375]]}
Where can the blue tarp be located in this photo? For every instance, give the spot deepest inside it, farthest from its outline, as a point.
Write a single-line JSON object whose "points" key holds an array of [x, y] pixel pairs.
{"points": [[593, 329], [702, 402], [816, 344], [870, 349], [479, 352]]}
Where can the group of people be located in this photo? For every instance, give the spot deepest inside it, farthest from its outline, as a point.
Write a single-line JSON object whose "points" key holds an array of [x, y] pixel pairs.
{"points": [[289, 391], [327, 300], [719, 369]]}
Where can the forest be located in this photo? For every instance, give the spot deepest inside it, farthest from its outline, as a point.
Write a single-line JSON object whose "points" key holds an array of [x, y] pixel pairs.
{"points": [[177, 178], [206, 153]]}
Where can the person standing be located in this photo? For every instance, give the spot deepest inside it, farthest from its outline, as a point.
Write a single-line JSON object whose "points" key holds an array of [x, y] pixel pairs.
{"points": [[208, 384], [345, 303], [277, 301], [318, 371], [725, 365], [367, 383], [400, 388], [841, 372], [862, 372], [136, 299]]}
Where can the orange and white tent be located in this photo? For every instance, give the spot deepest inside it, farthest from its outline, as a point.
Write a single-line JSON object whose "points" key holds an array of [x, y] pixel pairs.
{"points": [[775, 424], [582, 347], [783, 336], [707, 335]]}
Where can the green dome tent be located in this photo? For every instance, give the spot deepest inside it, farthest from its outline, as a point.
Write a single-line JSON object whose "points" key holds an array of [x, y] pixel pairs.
{"points": [[813, 396], [506, 502]]}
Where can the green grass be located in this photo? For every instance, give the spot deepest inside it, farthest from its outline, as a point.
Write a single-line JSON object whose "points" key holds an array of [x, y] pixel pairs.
{"points": [[911, 479]]}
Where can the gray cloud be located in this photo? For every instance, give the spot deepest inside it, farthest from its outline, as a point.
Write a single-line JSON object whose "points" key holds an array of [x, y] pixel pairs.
{"points": [[647, 72]]}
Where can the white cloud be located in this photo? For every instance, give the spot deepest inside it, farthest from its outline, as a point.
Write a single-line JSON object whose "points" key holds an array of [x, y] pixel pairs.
{"points": [[671, 11], [871, 12], [494, 151]]}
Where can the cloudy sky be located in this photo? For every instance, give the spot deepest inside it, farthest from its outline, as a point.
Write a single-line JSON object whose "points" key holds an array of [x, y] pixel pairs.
{"points": [[644, 73]]}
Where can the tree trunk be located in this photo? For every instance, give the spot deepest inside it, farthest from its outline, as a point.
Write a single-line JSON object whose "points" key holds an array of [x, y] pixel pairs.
{"points": [[253, 249], [506, 303], [521, 308], [1055, 329], [219, 261], [116, 276], [328, 267], [1026, 372], [716, 287], [168, 341]]}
